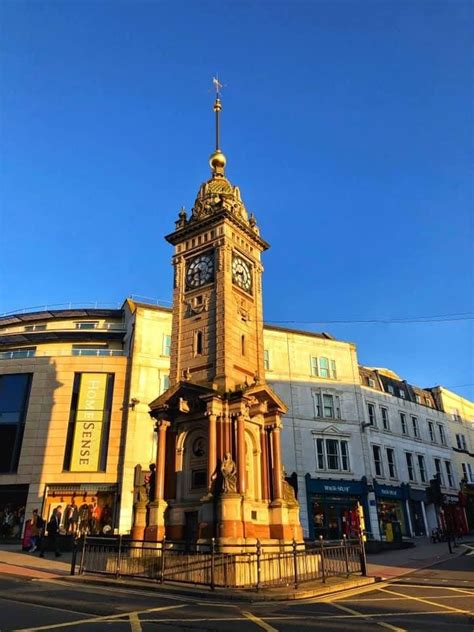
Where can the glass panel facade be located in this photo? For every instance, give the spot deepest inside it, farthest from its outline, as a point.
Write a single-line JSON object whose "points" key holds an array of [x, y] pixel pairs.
{"points": [[14, 394]]}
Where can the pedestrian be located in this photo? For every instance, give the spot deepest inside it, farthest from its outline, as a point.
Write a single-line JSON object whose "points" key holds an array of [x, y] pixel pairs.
{"points": [[36, 531], [52, 541]]}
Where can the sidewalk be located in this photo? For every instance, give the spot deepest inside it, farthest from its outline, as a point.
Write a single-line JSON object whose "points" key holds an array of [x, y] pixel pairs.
{"points": [[390, 564], [14, 561]]}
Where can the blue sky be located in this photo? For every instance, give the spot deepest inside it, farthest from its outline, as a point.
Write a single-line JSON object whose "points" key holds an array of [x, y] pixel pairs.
{"points": [[347, 125]]}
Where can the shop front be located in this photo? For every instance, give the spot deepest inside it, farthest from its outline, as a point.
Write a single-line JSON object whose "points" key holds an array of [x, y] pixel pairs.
{"points": [[332, 507], [391, 510], [416, 503], [12, 510], [453, 516], [86, 508]]}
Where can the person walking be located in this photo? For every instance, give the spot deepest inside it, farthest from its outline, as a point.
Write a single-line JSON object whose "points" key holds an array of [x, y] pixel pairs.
{"points": [[36, 531], [52, 541]]}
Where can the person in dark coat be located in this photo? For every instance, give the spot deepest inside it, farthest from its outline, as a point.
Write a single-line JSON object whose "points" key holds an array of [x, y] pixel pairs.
{"points": [[52, 541]]}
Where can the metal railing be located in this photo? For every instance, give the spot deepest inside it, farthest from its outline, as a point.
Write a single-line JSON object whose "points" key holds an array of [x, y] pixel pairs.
{"points": [[32, 353], [237, 566]]}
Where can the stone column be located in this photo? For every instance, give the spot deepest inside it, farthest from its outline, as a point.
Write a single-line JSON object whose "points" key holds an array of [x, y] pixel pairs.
{"points": [[241, 453], [264, 464], [277, 468], [211, 450], [161, 427]]}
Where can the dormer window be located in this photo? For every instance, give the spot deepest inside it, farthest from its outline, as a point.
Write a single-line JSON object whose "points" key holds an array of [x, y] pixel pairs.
{"points": [[390, 389], [371, 382], [402, 393]]}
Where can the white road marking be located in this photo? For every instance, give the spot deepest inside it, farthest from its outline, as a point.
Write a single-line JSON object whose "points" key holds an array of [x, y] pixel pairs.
{"points": [[367, 617], [114, 617], [431, 603]]}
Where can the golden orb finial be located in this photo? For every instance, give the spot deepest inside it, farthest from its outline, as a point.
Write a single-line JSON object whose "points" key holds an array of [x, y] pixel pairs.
{"points": [[217, 162]]}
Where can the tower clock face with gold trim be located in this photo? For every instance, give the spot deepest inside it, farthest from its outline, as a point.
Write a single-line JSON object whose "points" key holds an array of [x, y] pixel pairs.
{"points": [[242, 273], [200, 270]]}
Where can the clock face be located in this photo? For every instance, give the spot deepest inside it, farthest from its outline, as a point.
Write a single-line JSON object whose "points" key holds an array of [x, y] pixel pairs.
{"points": [[242, 273], [200, 270]]}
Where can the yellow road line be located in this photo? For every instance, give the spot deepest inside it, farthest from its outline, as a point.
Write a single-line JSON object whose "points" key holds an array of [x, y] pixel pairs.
{"points": [[259, 622], [431, 603], [122, 615], [135, 624], [367, 617]]}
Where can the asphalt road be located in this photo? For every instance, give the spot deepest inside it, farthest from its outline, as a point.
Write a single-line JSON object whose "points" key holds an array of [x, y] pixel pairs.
{"points": [[407, 604]]}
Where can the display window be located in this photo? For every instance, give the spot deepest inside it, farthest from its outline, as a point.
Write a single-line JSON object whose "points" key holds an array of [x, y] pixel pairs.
{"points": [[82, 513], [390, 513], [335, 517]]}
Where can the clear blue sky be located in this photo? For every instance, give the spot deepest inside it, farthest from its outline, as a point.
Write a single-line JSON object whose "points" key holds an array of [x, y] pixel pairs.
{"points": [[347, 125]]}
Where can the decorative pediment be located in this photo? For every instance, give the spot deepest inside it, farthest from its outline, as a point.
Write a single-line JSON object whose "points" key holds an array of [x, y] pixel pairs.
{"points": [[331, 431], [182, 398]]}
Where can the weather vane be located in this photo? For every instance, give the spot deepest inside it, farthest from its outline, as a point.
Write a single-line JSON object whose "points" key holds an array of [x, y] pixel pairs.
{"points": [[217, 85], [217, 107]]}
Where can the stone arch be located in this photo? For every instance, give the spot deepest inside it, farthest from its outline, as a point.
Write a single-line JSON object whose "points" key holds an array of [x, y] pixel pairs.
{"points": [[252, 465], [194, 448]]}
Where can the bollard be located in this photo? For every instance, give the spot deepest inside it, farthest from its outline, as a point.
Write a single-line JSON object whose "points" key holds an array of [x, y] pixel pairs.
{"points": [[259, 570], [323, 569], [119, 558], [74, 556], [162, 566], [213, 563], [295, 563], [346, 554], [83, 555], [363, 559]]}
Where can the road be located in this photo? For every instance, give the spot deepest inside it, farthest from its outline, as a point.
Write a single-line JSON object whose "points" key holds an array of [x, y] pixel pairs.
{"points": [[443, 600]]}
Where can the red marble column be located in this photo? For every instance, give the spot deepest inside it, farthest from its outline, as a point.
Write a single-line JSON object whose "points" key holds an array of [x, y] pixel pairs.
{"points": [[241, 453], [277, 469], [264, 464], [211, 450], [161, 428]]}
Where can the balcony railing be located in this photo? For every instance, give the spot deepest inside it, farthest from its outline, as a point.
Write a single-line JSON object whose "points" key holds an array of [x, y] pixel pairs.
{"points": [[22, 329], [16, 355]]}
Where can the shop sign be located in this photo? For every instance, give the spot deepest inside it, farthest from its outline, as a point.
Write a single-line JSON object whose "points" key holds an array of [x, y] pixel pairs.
{"points": [[388, 492], [335, 487], [88, 426]]}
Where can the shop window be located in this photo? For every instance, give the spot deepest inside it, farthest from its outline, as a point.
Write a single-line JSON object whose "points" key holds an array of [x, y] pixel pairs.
{"points": [[378, 465], [449, 473], [410, 466], [385, 421], [327, 405], [14, 394], [439, 473], [403, 423], [431, 431], [422, 468], [89, 422], [414, 425], [392, 469], [333, 455], [442, 434], [166, 345], [371, 411]]}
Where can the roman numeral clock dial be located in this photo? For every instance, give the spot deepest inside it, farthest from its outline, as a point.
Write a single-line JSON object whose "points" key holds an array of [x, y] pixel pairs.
{"points": [[242, 273], [200, 270]]}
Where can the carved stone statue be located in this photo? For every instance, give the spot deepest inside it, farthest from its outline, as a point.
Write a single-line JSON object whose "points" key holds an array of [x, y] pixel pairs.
{"points": [[229, 474]]}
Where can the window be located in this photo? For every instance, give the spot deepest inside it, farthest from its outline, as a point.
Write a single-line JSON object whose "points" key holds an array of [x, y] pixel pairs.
{"points": [[417, 398], [422, 468], [371, 382], [377, 452], [442, 434], [410, 468], [198, 343], [242, 345], [89, 324], [94, 350], [371, 411], [385, 422], [461, 442], [467, 472], [431, 431], [89, 422], [327, 406], [14, 394], [401, 393], [414, 424], [456, 415], [403, 422], [332, 454], [392, 470], [428, 402], [14, 354], [35, 327], [449, 473], [323, 367], [390, 389], [439, 473], [266, 359], [166, 345]]}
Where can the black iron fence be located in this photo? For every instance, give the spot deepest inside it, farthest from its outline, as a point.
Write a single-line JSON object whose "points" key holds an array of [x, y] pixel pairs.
{"points": [[237, 566]]}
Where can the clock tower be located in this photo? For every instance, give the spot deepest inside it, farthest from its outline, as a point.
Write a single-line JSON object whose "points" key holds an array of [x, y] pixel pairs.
{"points": [[218, 470]]}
